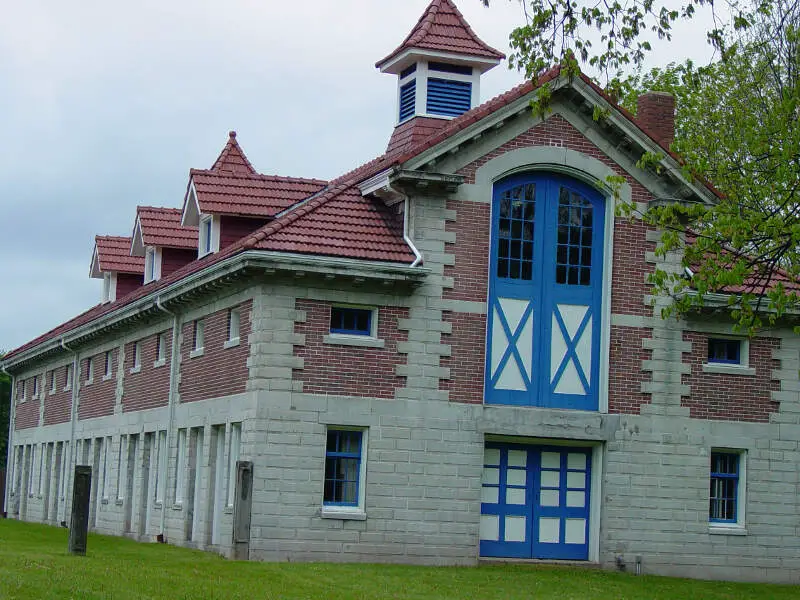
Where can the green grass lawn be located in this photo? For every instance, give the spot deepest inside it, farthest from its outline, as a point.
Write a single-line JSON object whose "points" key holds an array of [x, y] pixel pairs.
{"points": [[34, 564]]}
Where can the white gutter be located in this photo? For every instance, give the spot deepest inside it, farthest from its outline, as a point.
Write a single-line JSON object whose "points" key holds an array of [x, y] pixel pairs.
{"points": [[10, 467], [173, 382], [406, 208], [73, 418]]}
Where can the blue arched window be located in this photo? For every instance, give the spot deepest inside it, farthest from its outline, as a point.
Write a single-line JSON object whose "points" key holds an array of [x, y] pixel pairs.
{"points": [[545, 292]]}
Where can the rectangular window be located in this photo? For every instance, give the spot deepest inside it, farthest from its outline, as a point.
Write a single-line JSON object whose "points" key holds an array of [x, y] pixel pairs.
{"points": [[65, 460], [122, 461], [724, 493], [180, 467], [199, 335], [109, 365], [343, 468], [137, 356], [53, 381], [106, 468], [31, 467], [90, 370], [351, 321], [161, 474], [68, 378], [40, 479], [408, 100], [206, 235], [233, 456], [726, 351], [234, 321], [150, 266], [448, 97], [35, 388], [161, 349]]}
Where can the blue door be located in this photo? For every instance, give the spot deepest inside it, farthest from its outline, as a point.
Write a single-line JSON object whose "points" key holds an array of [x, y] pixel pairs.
{"points": [[535, 502], [545, 293]]}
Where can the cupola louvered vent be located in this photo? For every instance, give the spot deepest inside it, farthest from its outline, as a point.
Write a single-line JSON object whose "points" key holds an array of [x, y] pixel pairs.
{"points": [[448, 97], [408, 99]]}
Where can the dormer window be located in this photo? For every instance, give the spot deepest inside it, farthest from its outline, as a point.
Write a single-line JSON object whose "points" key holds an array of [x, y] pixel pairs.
{"points": [[152, 264], [209, 235], [109, 287]]}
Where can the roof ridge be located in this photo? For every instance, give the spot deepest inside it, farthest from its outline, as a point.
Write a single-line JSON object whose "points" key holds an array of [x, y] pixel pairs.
{"points": [[158, 208], [111, 237], [258, 176]]}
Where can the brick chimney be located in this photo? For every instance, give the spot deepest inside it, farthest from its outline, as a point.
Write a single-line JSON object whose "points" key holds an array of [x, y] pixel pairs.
{"points": [[655, 113]]}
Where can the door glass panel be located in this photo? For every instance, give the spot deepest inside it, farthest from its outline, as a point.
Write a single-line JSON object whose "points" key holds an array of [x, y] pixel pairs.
{"points": [[576, 461], [549, 530], [551, 460], [575, 531], [574, 239], [516, 477], [490, 527], [576, 499], [517, 458], [492, 456], [550, 479], [515, 529], [548, 498], [490, 495], [576, 480], [491, 476], [515, 496], [515, 233]]}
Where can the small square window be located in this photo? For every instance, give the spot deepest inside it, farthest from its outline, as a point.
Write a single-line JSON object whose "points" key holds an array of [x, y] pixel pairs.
{"points": [[725, 351], [725, 496], [199, 335], [234, 321], [343, 469], [351, 321]]}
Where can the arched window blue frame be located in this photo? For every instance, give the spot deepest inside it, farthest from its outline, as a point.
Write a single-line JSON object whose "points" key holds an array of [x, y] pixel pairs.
{"points": [[545, 293]]}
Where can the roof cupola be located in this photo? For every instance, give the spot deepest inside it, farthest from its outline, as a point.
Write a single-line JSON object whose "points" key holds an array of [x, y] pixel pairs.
{"points": [[439, 65]]}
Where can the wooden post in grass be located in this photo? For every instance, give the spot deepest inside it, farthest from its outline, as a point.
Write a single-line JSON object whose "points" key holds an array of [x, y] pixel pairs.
{"points": [[79, 522]]}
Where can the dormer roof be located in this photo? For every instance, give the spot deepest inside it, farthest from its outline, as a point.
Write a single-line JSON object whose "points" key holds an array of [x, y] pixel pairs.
{"points": [[161, 227], [443, 29], [233, 187], [112, 254]]}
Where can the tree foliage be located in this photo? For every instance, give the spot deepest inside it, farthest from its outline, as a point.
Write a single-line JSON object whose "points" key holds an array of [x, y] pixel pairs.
{"points": [[736, 127]]}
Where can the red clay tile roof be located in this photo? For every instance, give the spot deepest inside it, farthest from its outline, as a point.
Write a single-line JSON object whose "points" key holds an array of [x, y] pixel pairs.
{"points": [[442, 28], [162, 227], [114, 255], [347, 225], [251, 196], [232, 161]]}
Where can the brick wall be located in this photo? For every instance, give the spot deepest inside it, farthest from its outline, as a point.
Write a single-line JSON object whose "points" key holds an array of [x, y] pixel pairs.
{"points": [[625, 369], [148, 388], [58, 406], [27, 412], [731, 397], [466, 361], [471, 251], [219, 371], [127, 283], [98, 398], [348, 370], [232, 229], [173, 259]]}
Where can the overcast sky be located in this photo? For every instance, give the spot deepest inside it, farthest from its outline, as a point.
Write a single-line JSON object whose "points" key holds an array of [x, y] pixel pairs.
{"points": [[106, 104]]}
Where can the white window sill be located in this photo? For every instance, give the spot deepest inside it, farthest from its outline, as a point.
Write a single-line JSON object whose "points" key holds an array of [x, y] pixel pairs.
{"points": [[231, 343], [68, 389], [89, 382], [196, 353], [728, 369], [177, 506], [52, 392], [203, 254], [350, 514], [104, 501], [136, 369], [732, 529], [108, 377], [119, 501], [363, 341], [228, 510], [159, 363]]}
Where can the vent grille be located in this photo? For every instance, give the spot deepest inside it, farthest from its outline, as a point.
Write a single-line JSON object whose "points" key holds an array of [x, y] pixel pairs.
{"points": [[408, 99], [449, 98]]}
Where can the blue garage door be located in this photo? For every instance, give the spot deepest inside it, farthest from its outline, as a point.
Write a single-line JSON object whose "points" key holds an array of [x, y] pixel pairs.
{"points": [[535, 502]]}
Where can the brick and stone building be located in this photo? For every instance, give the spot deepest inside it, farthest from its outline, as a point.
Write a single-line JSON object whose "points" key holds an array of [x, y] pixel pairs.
{"points": [[450, 353]]}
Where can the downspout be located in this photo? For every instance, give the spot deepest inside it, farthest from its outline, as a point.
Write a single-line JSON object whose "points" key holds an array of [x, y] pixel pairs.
{"points": [[73, 418], [406, 237], [173, 385], [11, 468]]}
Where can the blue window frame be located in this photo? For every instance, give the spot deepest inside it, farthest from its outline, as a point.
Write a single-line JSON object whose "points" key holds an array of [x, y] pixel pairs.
{"points": [[724, 492], [351, 321], [342, 468], [724, 351]]}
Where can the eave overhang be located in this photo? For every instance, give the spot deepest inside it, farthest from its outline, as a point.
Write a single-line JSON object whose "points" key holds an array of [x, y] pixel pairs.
{"points": [[250, 263], [387, 184]]}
